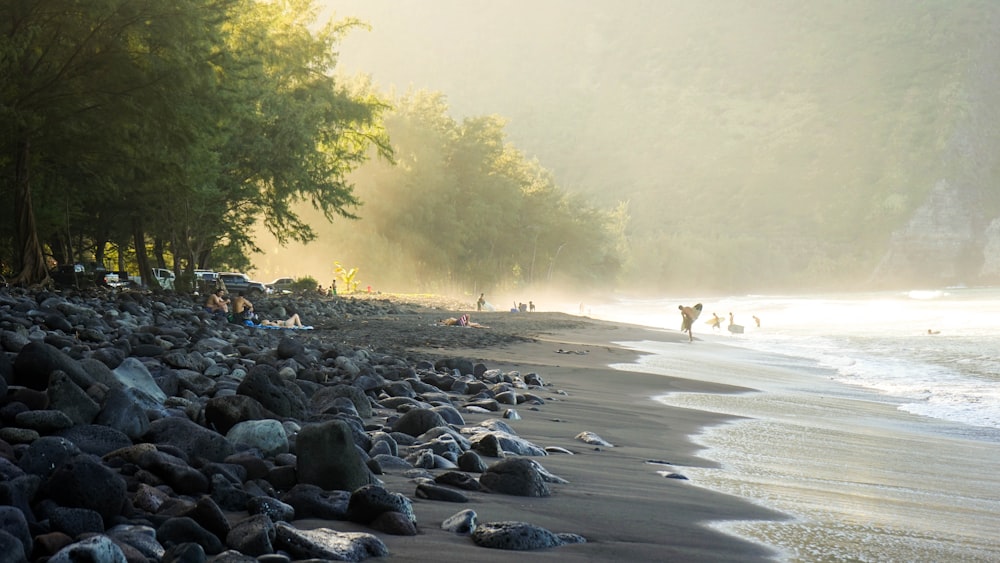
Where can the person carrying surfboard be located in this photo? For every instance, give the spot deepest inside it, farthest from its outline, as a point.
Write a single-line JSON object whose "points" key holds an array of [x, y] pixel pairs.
{"points": [[688, 316]]}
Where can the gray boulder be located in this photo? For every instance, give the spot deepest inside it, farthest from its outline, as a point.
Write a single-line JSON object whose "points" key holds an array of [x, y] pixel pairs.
{"points": [[328, 458], [515, 476], [187, 436], [519, 536], [323, 543]]}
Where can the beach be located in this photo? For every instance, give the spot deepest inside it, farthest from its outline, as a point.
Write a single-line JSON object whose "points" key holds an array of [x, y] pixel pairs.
{"points": [[694, 451], [618, 498], [855, 477]]}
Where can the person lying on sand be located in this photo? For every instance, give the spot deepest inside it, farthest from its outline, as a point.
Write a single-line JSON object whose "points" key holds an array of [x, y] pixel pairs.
{"points": [[290, 322], [464, 320]]}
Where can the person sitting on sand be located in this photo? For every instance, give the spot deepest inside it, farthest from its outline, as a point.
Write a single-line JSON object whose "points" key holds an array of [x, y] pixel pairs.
{"points": [[291, 322], [242, 309], [216, 304]]}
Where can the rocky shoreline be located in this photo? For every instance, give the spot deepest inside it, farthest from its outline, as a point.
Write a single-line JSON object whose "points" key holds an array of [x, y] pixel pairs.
{"points": [[137, 428]]}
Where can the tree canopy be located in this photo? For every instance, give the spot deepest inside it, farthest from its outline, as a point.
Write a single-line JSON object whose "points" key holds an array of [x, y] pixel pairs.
{"points": [[174, 125]]}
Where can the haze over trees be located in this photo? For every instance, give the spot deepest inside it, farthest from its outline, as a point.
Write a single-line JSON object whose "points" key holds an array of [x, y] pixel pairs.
{"points": [[652, 145], [181, 129], [759, 145]]}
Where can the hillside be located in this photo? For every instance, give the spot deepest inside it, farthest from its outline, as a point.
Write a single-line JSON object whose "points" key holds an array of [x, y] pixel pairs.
{"points": [[764, 145]]}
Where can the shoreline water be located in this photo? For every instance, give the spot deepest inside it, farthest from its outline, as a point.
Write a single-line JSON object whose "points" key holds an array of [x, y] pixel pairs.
{"points": [[861, 479]]}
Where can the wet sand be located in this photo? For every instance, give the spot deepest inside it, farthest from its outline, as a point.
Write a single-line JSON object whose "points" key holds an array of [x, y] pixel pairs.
{"points": [[625, 506]]}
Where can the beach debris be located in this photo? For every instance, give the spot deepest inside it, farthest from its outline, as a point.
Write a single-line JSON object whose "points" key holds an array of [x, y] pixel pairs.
{"points": [[580, 352], [462, 523], [659, 462], [558, 450], [593, 439], [672, 475], [511, 414], [520, 536]]}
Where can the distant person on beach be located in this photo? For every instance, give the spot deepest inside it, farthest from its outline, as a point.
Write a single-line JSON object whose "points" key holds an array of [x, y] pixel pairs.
{"points": [[733, 327], [481, 302], [756, 319], [688, 316], [333, 287], [716, 321], [531, 306]]}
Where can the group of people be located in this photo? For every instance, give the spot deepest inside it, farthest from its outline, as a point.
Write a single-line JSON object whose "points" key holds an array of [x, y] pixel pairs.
{"points": [[218, 305], [690, 314], [482, 305]]}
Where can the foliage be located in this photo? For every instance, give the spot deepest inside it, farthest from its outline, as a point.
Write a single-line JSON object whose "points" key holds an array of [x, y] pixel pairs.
{"points": [[304, 284], [347, 277], [184, 122], [462, 207], [805, 133]]}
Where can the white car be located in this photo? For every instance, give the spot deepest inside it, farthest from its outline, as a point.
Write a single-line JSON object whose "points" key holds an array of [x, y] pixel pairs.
{"points": [[164, 276]]}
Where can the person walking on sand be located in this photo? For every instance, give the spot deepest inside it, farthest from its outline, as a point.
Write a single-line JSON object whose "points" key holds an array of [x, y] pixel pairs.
{"points": [[481, 302], [688, 316]]}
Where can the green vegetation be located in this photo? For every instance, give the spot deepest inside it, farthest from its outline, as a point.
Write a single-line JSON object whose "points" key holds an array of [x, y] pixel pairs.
{"points": [[170, 127], [656, 145], [305, 284]]}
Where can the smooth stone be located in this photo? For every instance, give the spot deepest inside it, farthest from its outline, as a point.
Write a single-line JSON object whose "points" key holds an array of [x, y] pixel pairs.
{"points": [[323, 543], [462, 523]]}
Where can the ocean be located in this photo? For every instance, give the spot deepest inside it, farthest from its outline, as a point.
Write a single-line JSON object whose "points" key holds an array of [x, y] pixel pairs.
{"points": [[874, 420]]}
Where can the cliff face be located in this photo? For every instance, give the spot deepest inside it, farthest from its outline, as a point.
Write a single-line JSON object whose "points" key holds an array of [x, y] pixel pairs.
{"points": [[947, 241], [954, 237]]}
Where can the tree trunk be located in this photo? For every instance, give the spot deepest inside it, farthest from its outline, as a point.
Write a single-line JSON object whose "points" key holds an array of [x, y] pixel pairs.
{"points": [[139, 240], [30, 256], [161, 261]]}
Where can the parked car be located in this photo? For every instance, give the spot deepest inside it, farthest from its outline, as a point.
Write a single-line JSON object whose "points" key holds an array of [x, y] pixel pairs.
{"points": [[164, 276], [282, 285], [79, 274], [236, 282]]}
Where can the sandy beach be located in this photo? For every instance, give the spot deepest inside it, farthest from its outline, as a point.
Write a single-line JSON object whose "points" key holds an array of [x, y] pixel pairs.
{"points": [[618, 498]]}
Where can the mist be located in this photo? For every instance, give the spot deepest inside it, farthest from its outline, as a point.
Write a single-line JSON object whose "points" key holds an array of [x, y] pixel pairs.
{"points": [[757, 147]]}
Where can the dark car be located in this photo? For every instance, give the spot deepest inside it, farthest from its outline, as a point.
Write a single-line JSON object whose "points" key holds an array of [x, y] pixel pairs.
{"points": [[236, 282], [87, 274]]}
